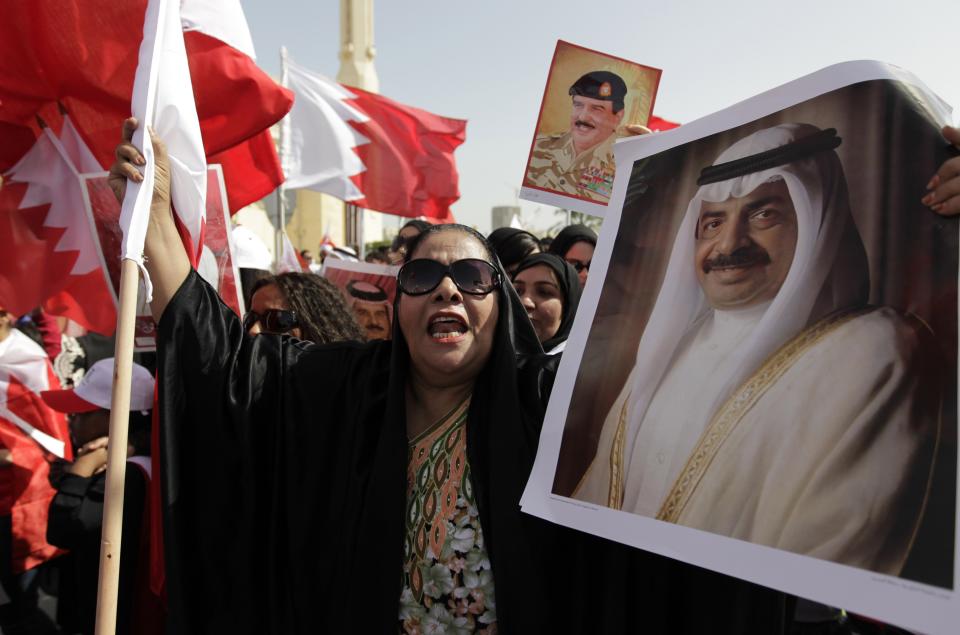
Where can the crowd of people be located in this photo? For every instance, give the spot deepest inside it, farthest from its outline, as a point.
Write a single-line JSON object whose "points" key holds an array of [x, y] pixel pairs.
{"points": [[52, 508], [547, 273], [320, 474], [303, 305]]}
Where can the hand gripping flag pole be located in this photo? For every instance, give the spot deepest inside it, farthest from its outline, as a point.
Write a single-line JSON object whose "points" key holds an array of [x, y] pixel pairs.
{"points": [[112, 527], [160, 99]]}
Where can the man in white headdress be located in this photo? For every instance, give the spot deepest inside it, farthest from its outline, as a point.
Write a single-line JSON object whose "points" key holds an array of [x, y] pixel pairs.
{"points": [[372, 308], [769, 403]]}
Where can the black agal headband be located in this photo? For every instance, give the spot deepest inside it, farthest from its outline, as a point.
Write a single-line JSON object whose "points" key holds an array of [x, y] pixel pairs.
{"points": [[370, 296], [800, 149]]}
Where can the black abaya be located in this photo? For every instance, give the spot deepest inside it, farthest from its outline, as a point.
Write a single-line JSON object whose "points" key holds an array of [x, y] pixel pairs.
{"points": [[284, 484]]}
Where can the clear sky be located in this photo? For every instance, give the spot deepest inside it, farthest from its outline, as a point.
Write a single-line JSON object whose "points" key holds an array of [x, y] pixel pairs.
{"points": [[487, 61]]}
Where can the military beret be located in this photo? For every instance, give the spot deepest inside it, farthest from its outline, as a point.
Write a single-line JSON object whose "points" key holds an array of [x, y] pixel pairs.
{"points": [[601, 85]]}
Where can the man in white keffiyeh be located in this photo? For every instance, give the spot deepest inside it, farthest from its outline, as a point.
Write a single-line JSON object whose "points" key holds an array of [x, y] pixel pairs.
{"points": [[769, 403]]}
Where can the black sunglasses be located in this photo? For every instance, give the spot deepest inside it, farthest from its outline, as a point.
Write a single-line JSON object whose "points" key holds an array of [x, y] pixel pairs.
{"points": [[471, 275], [271, 320], [580, 266]]}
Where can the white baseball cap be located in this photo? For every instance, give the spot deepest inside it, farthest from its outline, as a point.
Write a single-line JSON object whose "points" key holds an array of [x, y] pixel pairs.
{"points": [[95, 389]]}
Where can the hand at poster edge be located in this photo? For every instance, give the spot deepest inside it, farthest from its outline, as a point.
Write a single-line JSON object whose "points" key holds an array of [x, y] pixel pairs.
{"points": [[943, 196], [635, 130]]}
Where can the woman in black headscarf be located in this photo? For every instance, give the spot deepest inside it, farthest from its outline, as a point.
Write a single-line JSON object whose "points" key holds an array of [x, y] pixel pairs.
{"points": [[513, 245], [549, 290], [575, 244], [296, 486]]}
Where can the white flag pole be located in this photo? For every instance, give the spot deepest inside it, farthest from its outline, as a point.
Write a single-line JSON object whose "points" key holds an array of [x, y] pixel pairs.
{"points": [[136, 197], [281, 190], [109, 583], [162, 97]]}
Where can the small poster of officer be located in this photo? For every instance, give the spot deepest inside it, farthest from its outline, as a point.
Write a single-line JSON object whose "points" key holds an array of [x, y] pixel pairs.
{"points": [[590, 100]]}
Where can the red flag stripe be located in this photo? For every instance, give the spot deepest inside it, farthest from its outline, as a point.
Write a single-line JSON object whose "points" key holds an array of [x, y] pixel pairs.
{"points": [[84, 55], [410, 165]]}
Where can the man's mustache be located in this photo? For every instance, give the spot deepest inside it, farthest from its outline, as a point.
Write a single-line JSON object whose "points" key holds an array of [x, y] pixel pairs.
{"points": [[584, 124], [744, 257]]}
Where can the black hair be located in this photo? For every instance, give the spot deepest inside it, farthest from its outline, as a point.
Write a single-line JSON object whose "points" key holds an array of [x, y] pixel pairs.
{"points": [[512, 245], [421, 225], [321, 310], [139, 432], [570, 236], [248, 282], [400, 243], [436, 229], [380, 253], [29, 328]]}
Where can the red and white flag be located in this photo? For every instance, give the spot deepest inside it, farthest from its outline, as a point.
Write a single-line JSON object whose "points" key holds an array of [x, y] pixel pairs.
{"points": [[54, 258], [25, 371], [89, 304], [236, 101], [220, 19], [369, 150], [76, 149], [163, 99], [326, 241], [30, 430], [86, 53]]}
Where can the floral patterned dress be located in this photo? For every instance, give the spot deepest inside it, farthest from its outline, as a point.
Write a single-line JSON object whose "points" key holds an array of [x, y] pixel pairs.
{"points": [[447, 582]]}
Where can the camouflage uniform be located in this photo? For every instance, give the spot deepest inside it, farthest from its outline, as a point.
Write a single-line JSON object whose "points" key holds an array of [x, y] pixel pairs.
{"points": [[555, 165]]}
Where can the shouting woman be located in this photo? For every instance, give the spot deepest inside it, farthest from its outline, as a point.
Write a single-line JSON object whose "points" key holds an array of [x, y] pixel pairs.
{"points": [[375, 487]]}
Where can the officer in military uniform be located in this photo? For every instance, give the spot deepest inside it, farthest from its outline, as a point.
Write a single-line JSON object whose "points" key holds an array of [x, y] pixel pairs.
{"points": [[580, 162]]}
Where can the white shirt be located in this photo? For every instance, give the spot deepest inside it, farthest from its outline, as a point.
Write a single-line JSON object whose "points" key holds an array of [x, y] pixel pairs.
{"points": [[676, 417]]}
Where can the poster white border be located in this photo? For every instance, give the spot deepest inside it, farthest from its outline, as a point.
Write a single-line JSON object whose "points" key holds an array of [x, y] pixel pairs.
{"points": [[360, 267], [552, 197], [895, 600], [559, 200], [92, 223]]}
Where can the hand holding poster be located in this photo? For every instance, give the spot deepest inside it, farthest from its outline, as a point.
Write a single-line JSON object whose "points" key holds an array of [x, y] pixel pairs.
{"points": [[590, 100], [765, 383]]}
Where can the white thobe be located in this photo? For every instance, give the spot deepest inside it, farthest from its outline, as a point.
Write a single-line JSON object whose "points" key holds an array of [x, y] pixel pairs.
{"points": [[682, 406], [826, 451]]}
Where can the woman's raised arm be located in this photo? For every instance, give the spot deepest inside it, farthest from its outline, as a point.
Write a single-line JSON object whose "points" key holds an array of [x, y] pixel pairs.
{"points": [[165, 258]]}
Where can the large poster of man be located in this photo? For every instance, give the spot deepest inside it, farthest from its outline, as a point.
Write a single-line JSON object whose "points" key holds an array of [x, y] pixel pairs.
{"points": [[589, 101], [369, 290], [216, 261], [765, 383]]}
